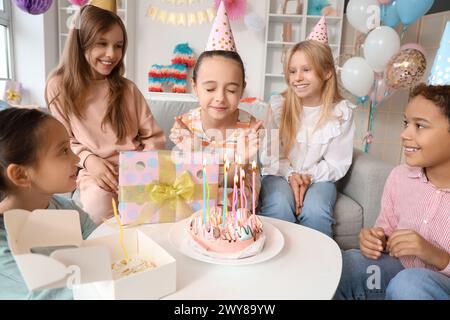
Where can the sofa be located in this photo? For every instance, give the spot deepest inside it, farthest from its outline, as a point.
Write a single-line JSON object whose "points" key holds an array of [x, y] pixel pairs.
{"points": [[359, 192]]}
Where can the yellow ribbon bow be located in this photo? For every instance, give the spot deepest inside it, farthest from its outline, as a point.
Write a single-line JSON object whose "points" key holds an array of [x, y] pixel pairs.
{"points": [[13, 96], [183, 187], [168, 200]]}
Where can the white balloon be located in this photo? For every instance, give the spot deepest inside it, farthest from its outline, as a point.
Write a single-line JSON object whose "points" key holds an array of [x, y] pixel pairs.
{"points": [[360, 14], [254, 22], [357, 76], [380, 45]]}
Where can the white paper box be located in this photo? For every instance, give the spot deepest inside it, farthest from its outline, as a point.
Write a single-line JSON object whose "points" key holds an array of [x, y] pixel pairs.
{"points": [[83, 264], [151, 284], [27, 232]]}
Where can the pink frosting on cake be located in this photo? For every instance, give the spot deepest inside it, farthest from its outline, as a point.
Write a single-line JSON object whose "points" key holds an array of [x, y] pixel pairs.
{"points": [[236, 234]]}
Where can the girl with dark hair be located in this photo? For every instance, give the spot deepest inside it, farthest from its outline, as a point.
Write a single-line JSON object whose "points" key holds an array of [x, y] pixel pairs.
{"points": [[35, 163]]}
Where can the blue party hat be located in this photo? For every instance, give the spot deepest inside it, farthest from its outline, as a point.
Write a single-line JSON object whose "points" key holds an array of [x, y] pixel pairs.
{"points": [[440, 72]]}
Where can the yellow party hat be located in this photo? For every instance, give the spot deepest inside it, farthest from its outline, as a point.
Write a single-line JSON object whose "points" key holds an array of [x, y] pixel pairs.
{"points": [[110, 5]]}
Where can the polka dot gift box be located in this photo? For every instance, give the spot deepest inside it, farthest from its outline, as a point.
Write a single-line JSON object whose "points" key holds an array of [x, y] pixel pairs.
{"points": [[164, 186]]}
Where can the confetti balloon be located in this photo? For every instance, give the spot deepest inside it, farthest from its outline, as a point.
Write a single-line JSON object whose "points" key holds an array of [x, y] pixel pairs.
{"points": [[34, 6], [405, 69]]}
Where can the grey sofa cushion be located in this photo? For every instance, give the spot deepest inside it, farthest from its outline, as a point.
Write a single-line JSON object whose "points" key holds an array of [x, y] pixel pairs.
{"points": [[349, 220]]}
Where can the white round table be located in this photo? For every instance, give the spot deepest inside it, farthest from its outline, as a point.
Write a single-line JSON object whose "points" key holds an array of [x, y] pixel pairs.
{"points": [[308, 267]]}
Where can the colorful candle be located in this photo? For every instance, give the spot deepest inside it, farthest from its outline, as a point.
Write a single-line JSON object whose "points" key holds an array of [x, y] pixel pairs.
{"points": [[122, 243], [235, 197], [225, 186], [253, 186], [243, 196], [241, 185], [204, 191]]}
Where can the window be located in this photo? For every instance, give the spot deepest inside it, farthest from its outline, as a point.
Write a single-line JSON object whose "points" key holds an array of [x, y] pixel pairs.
{"points": [[5, 40]]}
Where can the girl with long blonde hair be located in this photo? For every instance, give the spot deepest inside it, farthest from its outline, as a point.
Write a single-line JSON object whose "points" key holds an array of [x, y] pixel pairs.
{"points": [[104, 112], [316, 130]]}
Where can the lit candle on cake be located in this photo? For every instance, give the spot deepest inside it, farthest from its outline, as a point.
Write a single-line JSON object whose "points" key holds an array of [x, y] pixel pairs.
{"points": [[243, 196], [235, 196], [204, 191], [253, 186], [240, 184], [225, 187]]}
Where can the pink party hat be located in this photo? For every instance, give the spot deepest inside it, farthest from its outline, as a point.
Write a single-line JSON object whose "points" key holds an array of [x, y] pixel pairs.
{"points": [[320, 32], [221, 37]]}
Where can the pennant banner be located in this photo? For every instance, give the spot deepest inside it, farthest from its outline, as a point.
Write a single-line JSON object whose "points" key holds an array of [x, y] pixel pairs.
{"points": [[188, 19]]}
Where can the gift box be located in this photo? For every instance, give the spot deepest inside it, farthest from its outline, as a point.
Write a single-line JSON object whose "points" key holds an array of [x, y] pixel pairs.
{"points": [[58, 257], [13, 92], [164, 186]]}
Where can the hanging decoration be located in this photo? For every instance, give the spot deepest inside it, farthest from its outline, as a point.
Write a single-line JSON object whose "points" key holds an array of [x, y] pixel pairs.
{"points": [[185, 19], [79, 3], [174, 75], [235, 8], [34, 6]]}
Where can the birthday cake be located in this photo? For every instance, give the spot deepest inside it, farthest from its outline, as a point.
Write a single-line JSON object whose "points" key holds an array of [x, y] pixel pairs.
{"points": [[240, 236]]}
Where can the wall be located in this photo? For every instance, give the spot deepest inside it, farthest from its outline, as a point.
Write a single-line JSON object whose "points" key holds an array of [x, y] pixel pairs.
{"points": [[389, 115], [155, 41], [35, 51]]}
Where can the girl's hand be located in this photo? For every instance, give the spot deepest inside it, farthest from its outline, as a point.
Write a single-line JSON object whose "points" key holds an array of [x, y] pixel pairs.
{"points": [[105, 174], [299, 184], [409, 243], [371, 242], [180, 131], [252, 141]]}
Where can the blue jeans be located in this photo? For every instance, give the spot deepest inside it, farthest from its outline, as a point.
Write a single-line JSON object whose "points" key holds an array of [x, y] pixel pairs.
{"points": [[386, 278], [277, 201]]}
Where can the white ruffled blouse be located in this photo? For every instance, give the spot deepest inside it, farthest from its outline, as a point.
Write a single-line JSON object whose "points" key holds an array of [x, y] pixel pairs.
{"points": [[325, 154]]}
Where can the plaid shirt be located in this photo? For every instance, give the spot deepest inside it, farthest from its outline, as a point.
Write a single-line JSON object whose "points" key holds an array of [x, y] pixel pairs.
{"points": [[231, 147]]}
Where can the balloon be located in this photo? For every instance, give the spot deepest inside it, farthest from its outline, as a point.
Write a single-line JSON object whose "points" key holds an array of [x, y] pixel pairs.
{"points": [[382, 91], [254, 22], [414, 46], [380, 45], [357, 76], [411, 10], [339, 62], [384, 1], [405, 69], [389, 15], [34, 6], [357, 14]]}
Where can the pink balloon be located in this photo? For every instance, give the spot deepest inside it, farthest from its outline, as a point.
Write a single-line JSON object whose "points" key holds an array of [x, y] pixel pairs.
{"points": [[384, 1], [413, 45], [383, 92]]}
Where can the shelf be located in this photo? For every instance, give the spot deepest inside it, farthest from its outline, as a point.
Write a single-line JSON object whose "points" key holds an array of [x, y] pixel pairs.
{"points": [[301, 26], [274, 75], [328, 18], [285, 18]]}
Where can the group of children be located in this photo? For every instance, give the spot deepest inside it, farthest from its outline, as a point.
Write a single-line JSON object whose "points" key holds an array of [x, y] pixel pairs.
{"points": [[97, 113]]}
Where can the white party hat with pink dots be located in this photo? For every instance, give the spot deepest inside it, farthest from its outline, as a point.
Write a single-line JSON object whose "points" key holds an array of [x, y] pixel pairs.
{"points": [[320, 32], [221, 36]]}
